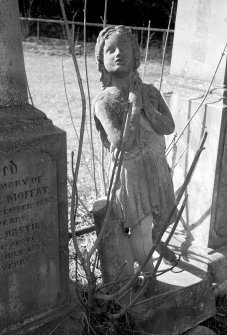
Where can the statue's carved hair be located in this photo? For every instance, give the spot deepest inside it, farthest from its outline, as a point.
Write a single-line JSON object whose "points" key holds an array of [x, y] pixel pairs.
{"points": [[103, 35]]}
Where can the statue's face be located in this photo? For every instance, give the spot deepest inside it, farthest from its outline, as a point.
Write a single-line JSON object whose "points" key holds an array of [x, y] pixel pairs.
{"points": [[118, 55]]}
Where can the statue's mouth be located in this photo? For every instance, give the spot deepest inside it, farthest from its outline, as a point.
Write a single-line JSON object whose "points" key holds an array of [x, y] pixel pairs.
{"points": [[119, 61]]}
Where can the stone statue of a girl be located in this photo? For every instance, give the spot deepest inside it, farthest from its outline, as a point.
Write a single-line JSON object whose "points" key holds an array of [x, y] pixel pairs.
{"points": [[145, 194]]}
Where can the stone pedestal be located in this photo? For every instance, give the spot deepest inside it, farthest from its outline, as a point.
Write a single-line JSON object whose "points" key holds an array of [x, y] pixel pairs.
{"points": [[33, 198]]}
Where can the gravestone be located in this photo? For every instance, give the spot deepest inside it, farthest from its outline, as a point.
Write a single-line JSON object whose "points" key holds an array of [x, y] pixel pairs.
{"points": [[198, 46], [198, 54], [33, 198]]}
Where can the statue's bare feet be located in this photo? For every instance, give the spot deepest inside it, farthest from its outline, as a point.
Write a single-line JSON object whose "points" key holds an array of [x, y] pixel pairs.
{"points": [[168, 255]]}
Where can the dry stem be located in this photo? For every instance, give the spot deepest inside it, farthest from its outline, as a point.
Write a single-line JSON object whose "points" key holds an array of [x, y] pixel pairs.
{"points": [[149, 280], [147, 48], [89, 101], [124, 132], [76, 171], [164, 51], [201, 103], [159, 237]]}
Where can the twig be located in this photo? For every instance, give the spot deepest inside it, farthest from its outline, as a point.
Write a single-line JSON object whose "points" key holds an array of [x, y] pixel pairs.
{"points": [[28, 89], [204, 98], [192, 167], [105, 14], [88, 326], [127, 116], [172, 141], [123, 132], [52, 332], [101, 165], [76, 171], [168, 220], [89, 100], [29, 94], [164, 51], [79, 199], [71, 117], [100, 145], [95, 262], [179, 214], [147, 47], [72, 163], [183, 152], [173, 158], [148, 281], [73, 27], [77, 287], [204, 122]]}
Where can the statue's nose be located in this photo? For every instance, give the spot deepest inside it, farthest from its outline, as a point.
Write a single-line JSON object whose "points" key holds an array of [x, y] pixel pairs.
{"points": [[118, 51]]}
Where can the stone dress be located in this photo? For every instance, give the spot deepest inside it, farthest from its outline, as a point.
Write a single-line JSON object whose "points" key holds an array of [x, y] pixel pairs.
{"points": [[145, 186]]}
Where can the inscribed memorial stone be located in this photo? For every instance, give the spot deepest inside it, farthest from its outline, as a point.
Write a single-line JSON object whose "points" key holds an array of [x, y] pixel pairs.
{"points": [[29, 256]]}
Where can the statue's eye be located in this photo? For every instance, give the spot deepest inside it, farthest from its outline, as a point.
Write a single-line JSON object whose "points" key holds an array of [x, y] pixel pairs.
{"points": [[110, 49]]}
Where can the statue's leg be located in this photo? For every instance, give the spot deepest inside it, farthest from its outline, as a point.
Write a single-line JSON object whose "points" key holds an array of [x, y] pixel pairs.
{"points": [[141, 242]]}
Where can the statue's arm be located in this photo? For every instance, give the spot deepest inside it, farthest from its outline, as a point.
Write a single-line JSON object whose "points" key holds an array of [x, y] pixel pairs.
{"points": [[157, 111], [109, 123], [112, 125]]}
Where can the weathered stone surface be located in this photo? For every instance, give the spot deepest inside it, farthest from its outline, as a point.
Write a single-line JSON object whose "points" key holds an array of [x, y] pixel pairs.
{"points": [[199, 40], [218, 267], [205, 214], [200, 330], [33, 197], [200, 210], [29, 257], [194, 61], [13, 85], [179, 299], [218, 232], [33, 218], [115, 254]]}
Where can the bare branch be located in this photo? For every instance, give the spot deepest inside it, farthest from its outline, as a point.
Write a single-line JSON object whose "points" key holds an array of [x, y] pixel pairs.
{"points": [[201, 103], [147, 48], [71, 117], [76, 171], [124, 133], [149, 280], [105, 14], [160, 235], [164, 51]]}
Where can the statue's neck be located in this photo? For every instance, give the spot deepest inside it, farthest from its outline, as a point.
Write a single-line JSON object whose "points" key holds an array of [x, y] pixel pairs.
{"points": [[123, 84]]}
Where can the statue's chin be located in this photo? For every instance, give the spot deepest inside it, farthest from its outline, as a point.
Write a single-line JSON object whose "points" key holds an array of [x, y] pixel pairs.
{"points": [[120, 73]]}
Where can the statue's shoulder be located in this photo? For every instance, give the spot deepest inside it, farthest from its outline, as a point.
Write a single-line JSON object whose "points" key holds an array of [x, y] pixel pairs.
{"points": [[152, 92], [107, 99], [103, 97], [150, 88], [98, 98], [98, 102]]}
